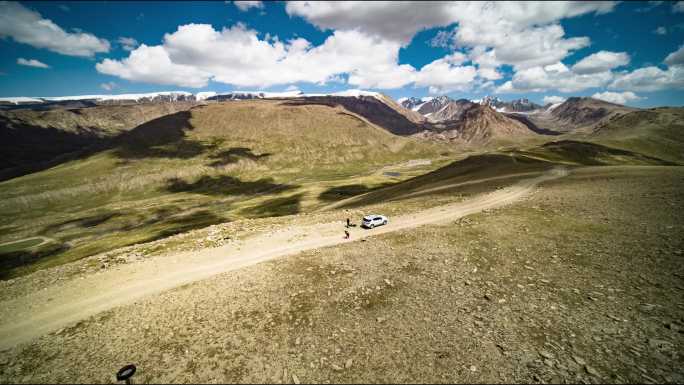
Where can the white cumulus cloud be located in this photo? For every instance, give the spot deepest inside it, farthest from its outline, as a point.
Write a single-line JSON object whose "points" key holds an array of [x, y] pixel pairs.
{"points": [[153, 65], [553, 99], [128, 43], [649, 7], [246, 5], [676, 58], [363, 49], [31, 63], [678, 7], [197, 53], [553, 77], [396, 21], [446, 75], [513, 38], [29, 27], [650, 79], [616, 97], [600, 62], [522, 34], [109, 86], [400, 21]]}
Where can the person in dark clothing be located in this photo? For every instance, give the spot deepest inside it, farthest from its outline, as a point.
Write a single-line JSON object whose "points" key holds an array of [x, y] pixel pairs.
{"points": [[346, 234], [348, 223]]}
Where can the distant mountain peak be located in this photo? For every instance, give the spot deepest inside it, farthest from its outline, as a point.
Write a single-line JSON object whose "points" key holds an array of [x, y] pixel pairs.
{"points": [[410, 103], [430, 107], [489, 100], [175, 96]]}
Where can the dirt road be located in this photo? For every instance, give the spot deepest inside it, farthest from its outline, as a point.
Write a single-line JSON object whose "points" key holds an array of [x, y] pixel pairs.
{"points": [[359, 198], [64, 303]]}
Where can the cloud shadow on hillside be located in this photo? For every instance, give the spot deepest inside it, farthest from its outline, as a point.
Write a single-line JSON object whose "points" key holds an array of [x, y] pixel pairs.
{"points": [[370, 108], [83, 222], [338, 193], [591, 154], [226, 185], [164, 137], [30, 148], [276, 207], [181, 224], [234, 154]]}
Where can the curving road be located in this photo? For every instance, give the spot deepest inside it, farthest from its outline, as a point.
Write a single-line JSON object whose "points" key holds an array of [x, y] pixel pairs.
{"points": [[64, 303]]}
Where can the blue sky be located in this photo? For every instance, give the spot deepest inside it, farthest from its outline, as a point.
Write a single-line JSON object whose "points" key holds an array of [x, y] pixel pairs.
{"points": [[402, 49]]}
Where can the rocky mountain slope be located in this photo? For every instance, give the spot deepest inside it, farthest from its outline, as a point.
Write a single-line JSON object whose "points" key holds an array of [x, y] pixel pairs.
{"points": [[472, 123], [517, 105], [433, 105], [452, 110], [412, 103], [581, 114], [430, 105], [476, 125]]}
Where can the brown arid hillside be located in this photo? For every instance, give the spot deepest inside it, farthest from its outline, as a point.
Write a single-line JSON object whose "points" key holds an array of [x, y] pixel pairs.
{"points": [[381, 111], [578, 114], [30, 139], [480, 125]]}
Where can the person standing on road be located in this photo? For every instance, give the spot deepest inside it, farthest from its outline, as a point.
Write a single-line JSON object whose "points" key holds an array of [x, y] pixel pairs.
{"points": [[346, 234], [348, 223]]}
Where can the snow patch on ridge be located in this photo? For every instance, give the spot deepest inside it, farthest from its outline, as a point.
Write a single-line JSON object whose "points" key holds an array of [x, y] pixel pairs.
{"points": [[300, 94], [205, 95], [174, 94], [20, 99], [553, 106], [184, 95], [264, 95], [349, 93]]}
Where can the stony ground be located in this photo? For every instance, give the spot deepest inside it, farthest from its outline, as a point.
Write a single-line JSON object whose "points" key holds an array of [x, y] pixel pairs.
{"points": [[582, 282]]}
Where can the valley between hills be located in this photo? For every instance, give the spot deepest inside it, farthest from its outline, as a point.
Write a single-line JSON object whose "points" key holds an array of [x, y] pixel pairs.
{"points": [[202, 239]]}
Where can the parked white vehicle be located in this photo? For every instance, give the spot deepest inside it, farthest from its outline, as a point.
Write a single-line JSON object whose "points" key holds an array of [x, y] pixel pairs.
{"points": [[370, 221]]}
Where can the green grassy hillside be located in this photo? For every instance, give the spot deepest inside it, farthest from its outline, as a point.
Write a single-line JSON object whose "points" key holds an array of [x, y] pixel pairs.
{"points": [[264, 158], [486, 171], [656, 132], [573, 152], [194, 168]]}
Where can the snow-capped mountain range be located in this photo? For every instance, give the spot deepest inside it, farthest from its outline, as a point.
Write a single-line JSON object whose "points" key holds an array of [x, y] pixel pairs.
{"points": [[425, 105], [413, 103], [174, 96], [147, 97], [431, 105]]}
